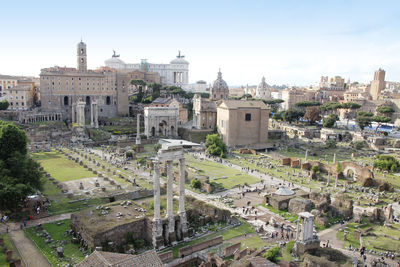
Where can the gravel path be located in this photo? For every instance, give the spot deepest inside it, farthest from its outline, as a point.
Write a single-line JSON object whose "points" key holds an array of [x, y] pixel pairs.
{"points": [[28, 251]]}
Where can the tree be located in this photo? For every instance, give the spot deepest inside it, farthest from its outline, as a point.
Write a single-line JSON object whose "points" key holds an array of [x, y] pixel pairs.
{"points": [[312, 114], [364, 119], [274, 104], [339, 168], [277, 116], [4, 105], [380, 120], [215, 146], [330, 120], [386, 163], [139, 84], [351, 107], [330, 143], [385, 110], [304, 104], [19, 174], [331, 107], [272, 254], [292, 115]]}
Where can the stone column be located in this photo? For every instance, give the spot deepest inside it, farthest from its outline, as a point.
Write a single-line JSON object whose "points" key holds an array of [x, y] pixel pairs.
{"points": [[158, 240], [91, 115], [306, 159], [138, 140], [73, 113], [298, 230], [182, 212], [170, 214], [96, 114], [334, 158]]}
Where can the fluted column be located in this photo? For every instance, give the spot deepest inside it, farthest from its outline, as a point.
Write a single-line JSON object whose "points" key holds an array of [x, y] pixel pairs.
{"points": [[182, 211], [170, 214], [138, 140], [91, 115], [158, 240]]}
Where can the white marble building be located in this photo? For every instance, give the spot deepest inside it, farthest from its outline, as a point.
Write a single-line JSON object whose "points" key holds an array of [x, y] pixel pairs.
{"points": [[175, 73]]}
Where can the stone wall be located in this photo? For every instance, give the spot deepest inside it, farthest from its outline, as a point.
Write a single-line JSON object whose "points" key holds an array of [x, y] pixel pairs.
{"points": [[297, 205], [200, 246], [229, 251], [194, 135], [166, 256]]}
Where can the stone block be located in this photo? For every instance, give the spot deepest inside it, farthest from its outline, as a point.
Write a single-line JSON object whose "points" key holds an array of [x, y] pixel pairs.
{"points": [[286, 161]]}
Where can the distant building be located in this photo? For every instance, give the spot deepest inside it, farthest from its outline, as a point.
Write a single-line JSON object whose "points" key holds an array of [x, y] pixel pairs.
{"points": [[263, 90], [172, 102], [205, 110], [377, 84], [242, 122], [62, 87], [21, 97], [198, 87], [175, 73], [291, 96]]}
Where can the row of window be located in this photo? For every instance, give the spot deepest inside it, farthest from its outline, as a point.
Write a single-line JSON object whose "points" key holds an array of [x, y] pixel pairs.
{"points": [[17, 104], [16, 97]]}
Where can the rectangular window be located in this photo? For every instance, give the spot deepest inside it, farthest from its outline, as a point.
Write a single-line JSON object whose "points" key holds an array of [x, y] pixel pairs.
{"points": [[248, 117]]}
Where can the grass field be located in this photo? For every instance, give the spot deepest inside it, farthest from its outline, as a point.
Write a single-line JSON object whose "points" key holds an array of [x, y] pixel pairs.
{"points": [[381, 238], [10, 246], [72, 254], [225, 176], [61, 168]]}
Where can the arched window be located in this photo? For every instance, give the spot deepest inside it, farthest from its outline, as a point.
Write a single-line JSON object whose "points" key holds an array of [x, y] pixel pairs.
{"points": [[108, 100], [88, 100], [66, 101]]}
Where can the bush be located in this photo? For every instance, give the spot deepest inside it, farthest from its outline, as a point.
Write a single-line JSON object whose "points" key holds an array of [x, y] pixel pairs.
{"points": [[330, 144], [358, 145], [141, 161], [129, 154], [330, 120], [196, 183], [272, 254], [386, 163], [315, 169], [4, 105]]}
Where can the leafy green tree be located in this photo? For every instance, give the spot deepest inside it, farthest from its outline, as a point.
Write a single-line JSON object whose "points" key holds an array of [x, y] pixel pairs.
{"points": [[350, 107], [380, 120], [358, 145], [364, 119], [215, 146], [277, 116], [339, 168], [272, 254], [385, 110], [331, 107], [304, 104], [19, 174], [274, 104], [139, 84], [330, 120], [292, 115], [4, 105]]}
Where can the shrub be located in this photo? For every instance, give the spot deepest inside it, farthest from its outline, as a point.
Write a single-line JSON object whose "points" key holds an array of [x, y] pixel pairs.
{"points": [[315, 169], [4, 105], [215, 146], [330, 143], [272, 254], [196, 183], [358, 145], [386, 163]]}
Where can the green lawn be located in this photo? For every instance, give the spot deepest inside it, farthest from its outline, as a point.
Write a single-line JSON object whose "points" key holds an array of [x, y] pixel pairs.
{"points": [[72, 254], [284, 214], [61, 168], [375, 240], [252, 242], [10, 246], [225, 176]]}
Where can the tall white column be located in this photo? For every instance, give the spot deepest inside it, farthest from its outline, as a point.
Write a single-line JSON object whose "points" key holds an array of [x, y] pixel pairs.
{"points": [[169, 189], [96, 115], [73, 113], [170, 214], [91, 115], [138, 140], [182, 212], [182, 178], [156, 188]]}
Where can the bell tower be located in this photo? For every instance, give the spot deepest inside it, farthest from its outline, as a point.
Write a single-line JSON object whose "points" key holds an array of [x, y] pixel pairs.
{"points": [[81, 57]]}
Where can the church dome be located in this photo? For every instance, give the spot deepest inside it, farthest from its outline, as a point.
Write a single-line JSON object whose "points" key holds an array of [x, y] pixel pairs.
{"points": [[283, 191], [219, 84], [263, 84]]}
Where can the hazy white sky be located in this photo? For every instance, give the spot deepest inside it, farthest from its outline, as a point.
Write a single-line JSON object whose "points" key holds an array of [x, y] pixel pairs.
{"points": [[288, 42]]}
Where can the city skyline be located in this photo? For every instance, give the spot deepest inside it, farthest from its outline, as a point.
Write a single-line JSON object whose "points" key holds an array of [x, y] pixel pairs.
{"points": [[286, 43]]}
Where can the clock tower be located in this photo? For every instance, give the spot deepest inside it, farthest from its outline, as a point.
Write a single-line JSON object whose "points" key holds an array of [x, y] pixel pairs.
{"points": [[81, 57]]}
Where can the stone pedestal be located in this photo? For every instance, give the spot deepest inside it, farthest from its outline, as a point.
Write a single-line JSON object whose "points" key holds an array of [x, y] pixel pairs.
{"points": [[158, 240], [184, 225]]}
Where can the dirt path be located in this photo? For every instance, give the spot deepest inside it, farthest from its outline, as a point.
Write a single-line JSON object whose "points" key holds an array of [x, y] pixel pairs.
{"points": [[28, 251]]}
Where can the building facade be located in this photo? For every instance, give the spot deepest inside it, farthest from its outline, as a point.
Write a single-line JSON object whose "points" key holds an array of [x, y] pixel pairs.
{"points": [[175, 73], [21, 97], [377, 84], [161, 122], [243, 123], [62, 87], [172, 102]]}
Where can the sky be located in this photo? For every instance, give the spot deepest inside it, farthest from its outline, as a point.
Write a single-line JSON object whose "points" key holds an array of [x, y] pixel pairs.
{"points": [[288, 42]]}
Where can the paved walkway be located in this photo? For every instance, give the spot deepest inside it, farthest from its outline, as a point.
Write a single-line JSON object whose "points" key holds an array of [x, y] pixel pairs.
{"points": [[28, 251]]}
